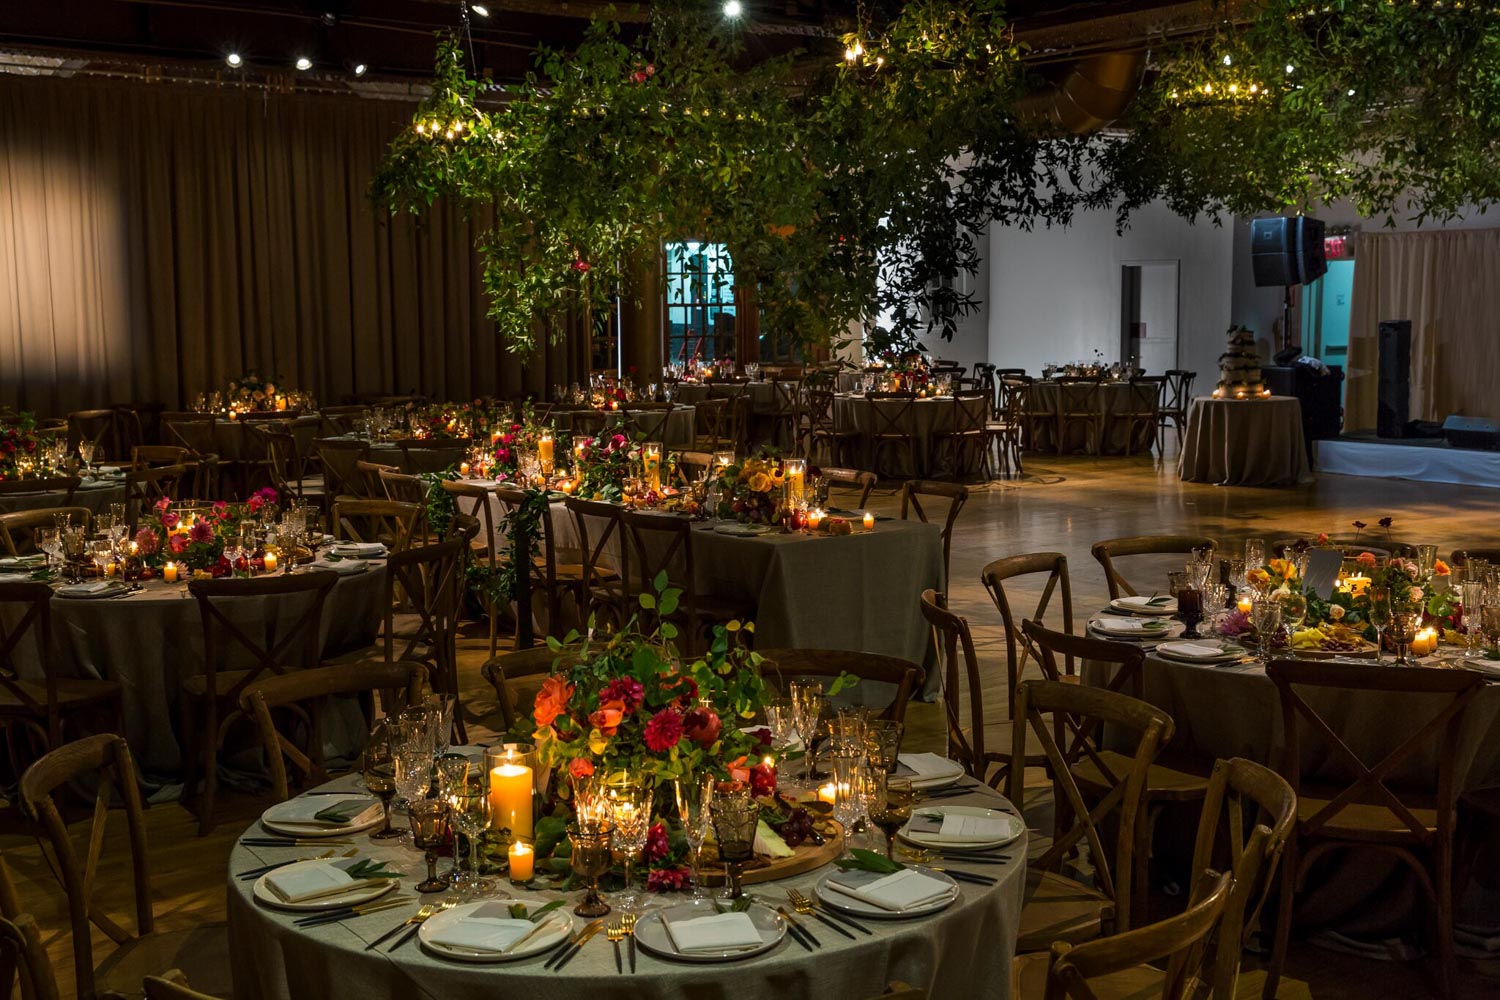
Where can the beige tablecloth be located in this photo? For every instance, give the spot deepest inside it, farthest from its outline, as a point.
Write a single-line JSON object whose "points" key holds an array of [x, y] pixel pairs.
{"points": [[931, 418], [96, 496], [1233, 442], [1046, 397], [153, 639], [963, 951]]}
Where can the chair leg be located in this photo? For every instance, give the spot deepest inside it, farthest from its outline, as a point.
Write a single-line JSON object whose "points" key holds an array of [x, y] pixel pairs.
{"points": [[1290, 861], [210, 760], [1444, 922]]}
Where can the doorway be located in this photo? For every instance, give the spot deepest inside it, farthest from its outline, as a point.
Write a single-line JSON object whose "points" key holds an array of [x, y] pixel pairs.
{"points": [[1326, 304], [1148, 315]]}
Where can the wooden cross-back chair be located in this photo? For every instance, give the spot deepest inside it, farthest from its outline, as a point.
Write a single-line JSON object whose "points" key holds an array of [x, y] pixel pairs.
{"points": [[403, 488], [104, 763], [1141, 411], [288, 464], [913, 494], [144, 487], [903, 676], [371, 488], [195, 432], [431, 454], [818, 434], [648, 420], [42, 707], [971, 412], [280, 644], [341, 474], [693, 466], [1079, 401], [98, 426], [1008, 428], [430, 581], [18, 530], [981, 744], [66, 485], [893, 423], [712, 424], [1059, 908], [473, 501], [1098, 769], [555, 577], [786, 410], [388, 521], [662, 544], [865, 482], [144, 456], [343, 419], [1018, 647], [510, 673], [1106, 552], [1116, 966], [1374, 808], [300, 697], [24, 961], [605, 570], [1177, 394]]}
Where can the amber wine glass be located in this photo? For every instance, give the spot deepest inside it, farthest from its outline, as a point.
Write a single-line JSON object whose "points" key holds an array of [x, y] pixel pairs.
{"points": [[891, 808]]}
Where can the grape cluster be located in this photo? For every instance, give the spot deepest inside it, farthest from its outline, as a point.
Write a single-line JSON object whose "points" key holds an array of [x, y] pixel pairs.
{"points": [[797, 827]]}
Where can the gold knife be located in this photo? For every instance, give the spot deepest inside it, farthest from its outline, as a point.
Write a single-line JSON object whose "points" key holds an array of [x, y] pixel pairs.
{"points": [[578, 942]]}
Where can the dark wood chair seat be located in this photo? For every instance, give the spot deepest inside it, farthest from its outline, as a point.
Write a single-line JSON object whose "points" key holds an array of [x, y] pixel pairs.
{"points": [[1059, 909], [1163, 783], [72, 693]]}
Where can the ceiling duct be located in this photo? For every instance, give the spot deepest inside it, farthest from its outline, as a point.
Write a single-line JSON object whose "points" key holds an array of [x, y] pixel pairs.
{"points": [[1088, 94]]}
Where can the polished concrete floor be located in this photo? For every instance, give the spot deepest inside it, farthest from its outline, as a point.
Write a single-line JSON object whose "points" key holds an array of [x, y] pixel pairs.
{"points": [[1062, 505]]}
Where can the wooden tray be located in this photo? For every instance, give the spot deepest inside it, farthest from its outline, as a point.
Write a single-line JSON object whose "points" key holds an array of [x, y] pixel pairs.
{"points": [[1364, 651], [808, 857]]}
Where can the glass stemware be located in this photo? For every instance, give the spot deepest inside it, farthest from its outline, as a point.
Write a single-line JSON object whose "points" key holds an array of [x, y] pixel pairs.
{"points": [[429, 828], [86, 450], [451, 772], [1472, 595], [590, 859], [630, 814], [1265, 615], [470, 812], [380, 775], [849, 774], [1490, 621], [1190, 610], [883, 743], [50, 542], [735, 818], [1381, 616], [1255, 554], [890, 808], [1293, 613], [807, 703], [693, 797]]}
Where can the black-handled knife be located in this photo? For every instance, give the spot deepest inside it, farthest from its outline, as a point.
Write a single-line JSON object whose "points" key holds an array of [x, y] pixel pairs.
{"points": [[830, 923], [631, 934], [844, 918]]}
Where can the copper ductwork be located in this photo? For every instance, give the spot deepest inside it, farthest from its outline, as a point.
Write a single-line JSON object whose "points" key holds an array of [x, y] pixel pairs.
{"points": [[1089, 94]]}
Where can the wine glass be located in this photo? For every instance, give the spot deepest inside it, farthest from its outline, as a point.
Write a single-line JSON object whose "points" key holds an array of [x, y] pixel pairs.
{"points": [[102, 550], [441, 706], [630, 812], [1190, 610], [1381, 616], [470, 812], [1472, 594], [735, 818], [883, 743], [1255, 554], [891, 808], [1265, 615], [380, 775], [1490, 622], [590, 859], [849, 770], [781, 721], [86, 450], [429, 829], [50, 542], [693, 795], [451, 772], [807, 703], [1293, 614]]}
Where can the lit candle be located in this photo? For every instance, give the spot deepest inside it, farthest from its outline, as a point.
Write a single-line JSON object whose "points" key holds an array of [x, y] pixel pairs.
{"points": [[510, 796], [1358, 584], [828, 793], [522, 861], [815, 519], [1244, 604], [869, 522], [566, 486], [651, 459], [1424, 642], [233, 413], [270, 561], [544, 452], [280, 402], [111, 568], [796, 478], [168, 572], [463, 469]]}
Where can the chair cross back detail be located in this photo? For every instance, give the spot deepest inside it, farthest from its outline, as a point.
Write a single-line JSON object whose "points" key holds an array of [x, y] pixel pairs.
{"points": [[892, 414], [951, 635], [678, 552], [1130, 659], [36, 620], [431, 579], [270, 654], [594, 550], [1019, 648], [1107, 552]]}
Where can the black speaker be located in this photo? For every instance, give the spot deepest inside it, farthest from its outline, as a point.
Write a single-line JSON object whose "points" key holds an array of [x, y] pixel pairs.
{"points": [[1287, 250], [1471, 432], [1395, 379]]}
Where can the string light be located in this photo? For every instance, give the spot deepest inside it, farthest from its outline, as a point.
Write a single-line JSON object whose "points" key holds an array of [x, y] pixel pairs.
{"points": [[733, 8], [359, 70], [1290, 68], [304, 64], [480, 9], [1228, 61], [234, 59]]}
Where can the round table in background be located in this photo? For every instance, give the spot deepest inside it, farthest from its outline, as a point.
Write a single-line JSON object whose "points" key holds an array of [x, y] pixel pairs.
{"points": [[1045, 397], [680, 431], [95, 494], [1245, 442], [964, 951]]}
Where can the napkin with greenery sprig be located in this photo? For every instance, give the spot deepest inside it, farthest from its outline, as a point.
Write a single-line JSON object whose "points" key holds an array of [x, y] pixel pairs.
{"points": [[868, 861], [518, 911]]}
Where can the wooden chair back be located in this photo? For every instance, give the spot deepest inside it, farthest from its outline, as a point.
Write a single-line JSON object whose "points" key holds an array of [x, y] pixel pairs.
{"points": [[1145, 401], [1178, 940], [1106, 552], [954, 644], [282, 462], [403, 488], [817, 408], [662, 545], [26, 618], [104, 762], [508, 671], [893, 415], [172, 985], [606, 546], [711, 422], [918, 494], [1018, 647], [474, 501], [1178, 391], [18, 530], [1128, 659], [144, 487], [146, 455], [903, 676], [648, 421], [431, 454], [971, 411], [865, 482], [1053, 712], [194, 431], [24, 960], [66, 485], [1433, 713], [430, 579], [97, 426], [371, 488], [1247, 816], [281, 645], [341, 473], [388, 521], [343, 419], [301, 696], [693, 466]]}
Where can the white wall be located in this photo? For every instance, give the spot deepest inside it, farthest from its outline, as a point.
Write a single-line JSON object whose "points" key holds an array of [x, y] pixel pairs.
{"points": [[1054, 294]]}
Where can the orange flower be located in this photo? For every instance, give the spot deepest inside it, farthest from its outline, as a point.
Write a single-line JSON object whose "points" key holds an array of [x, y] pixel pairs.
{"points": [[608, 717], [1440, 568], [1366, 559], [552, 700]]}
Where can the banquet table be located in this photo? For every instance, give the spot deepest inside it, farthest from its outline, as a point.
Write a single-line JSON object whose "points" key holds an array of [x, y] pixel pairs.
{"points": [[931, 418], [95, 494], [1046, 397], [681, 429], [152, 639], [1240, 442], [964, 950]]}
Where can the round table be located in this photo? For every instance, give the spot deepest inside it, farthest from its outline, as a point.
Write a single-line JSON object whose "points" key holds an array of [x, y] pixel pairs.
{"points": [[95, 494], [931, 417], [965, 950], [152, 639], [1245, 442], [1047, 397]]}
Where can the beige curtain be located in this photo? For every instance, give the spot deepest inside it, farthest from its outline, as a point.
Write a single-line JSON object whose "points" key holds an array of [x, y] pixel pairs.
{"points": [[1448, 285], [156, 241]]}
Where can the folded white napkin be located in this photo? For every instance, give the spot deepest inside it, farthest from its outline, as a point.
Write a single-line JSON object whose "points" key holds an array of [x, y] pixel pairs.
{"points": [[343, 567], [1129, 625], [306, 882], [958, 828], [87, 589], [1162, 605], [1196, 649], [720, 932], [360, 550], [927, 765], [305, 808], [901, 891], [35, 559], [487, 928]]}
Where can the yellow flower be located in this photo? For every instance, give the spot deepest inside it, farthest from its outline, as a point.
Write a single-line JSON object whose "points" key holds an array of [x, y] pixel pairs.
{"points": [[778, 477], [1284, 568], [1258, 576], [760, 482]]}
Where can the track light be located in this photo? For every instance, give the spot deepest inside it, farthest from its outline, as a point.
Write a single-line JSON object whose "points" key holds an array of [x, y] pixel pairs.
{"points": [[359, 69], [234, 59], [480, 9], [304, 63]]}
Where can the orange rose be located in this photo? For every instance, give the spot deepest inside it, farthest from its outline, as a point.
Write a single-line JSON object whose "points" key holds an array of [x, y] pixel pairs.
{"points": [[1440, 568], [552, 700], [608, 717], [580, 767]]}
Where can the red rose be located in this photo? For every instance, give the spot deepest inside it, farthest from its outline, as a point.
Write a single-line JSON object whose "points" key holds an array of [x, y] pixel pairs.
{"points": [[580, 767], [607, 717], [582, 266], [657, 844], [552, 700]]}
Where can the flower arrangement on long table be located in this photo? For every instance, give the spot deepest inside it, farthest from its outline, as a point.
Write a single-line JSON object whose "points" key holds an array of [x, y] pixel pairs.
{"points": [[196, 540]]}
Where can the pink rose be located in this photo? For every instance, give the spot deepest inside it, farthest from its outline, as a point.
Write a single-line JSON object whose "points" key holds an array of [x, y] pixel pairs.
{"points": [[1416, 593], [170, 520], [146, 541], [177, 543]]}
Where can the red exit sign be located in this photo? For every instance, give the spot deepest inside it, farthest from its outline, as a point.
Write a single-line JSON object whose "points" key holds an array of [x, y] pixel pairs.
{"points": [[1337, 248]]}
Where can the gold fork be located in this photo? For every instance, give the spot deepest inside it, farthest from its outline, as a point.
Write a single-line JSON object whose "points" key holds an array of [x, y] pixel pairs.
{"points": [[417, 921], [415, 918], [627, 923], [615, 932], [808, 908]]}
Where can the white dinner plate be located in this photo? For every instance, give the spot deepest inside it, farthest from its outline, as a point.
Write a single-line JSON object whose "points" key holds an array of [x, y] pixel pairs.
{"points": [[1147, 629], [1014, 825], [859, 908], [651, 934], [1139, 605], [933, 782], [1186, 651], [309, 831], [360, 892], [115, 589], [554, 927], [741, 530]]}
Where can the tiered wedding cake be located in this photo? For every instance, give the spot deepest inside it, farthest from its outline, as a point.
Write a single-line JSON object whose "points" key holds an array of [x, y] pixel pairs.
{"points": [[1239, 368]]}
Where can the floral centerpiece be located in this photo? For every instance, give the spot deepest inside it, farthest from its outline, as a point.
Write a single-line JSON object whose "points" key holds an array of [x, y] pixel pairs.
{"points": [[196, 540], [18, 442], [253, 391], [603, 463], [751, 490]]}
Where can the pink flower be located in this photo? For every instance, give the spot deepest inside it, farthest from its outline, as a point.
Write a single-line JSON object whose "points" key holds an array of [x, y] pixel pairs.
{"points": [[169, 520], [201, 532], [221, 509], [669, 879], [580, 767], [255, 503], [177, 543], [1366, 559], [1417, 593], [657, 845], [147, 541], [626, 689], [162, 504], [663, 731]]}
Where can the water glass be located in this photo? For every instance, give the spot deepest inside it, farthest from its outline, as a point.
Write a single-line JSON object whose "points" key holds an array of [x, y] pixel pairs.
{"points": [[1265, 615], [1255, 553], [1472, 595], [469, 803], [694, 794], [735, 818], [630, 813]]}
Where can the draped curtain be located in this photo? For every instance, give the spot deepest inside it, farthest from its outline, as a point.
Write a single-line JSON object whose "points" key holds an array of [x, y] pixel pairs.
{"points": [[1448, 284], [156, 241]]}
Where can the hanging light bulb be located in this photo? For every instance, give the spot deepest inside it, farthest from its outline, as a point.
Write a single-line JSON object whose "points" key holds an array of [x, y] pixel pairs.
{"points": [[303, 63], [234, 59], [360, 69], [733, 8], [480, 9], [1290, 68], [1228, 61]]}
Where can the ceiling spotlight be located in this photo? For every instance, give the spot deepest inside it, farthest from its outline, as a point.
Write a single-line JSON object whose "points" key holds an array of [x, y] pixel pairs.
{"points": [[234, 60], [359, 69], [480, 9], [733, 8], [304, 63]]}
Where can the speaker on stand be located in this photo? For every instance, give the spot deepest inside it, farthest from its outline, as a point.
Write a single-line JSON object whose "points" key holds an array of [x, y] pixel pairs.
{"points": [[1287, 251]]}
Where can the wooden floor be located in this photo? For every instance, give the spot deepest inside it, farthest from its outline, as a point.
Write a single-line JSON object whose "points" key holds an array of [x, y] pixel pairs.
{"points": [[1062, 505]]}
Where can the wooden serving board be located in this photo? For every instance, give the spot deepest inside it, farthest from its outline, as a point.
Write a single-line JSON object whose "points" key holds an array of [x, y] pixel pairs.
{"points": [[807, 857]]}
